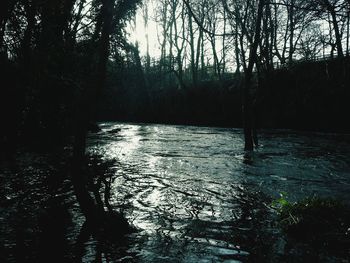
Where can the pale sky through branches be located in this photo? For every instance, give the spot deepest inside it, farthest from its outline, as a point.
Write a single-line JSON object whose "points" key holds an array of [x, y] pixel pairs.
{"points": [[138, 32]]}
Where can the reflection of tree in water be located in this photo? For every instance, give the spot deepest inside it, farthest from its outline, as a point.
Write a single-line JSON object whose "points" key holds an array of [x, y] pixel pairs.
{"points": [[252, 223], [247, 235], [39, 216], [109, 238], [108, 244], [197, 221]]}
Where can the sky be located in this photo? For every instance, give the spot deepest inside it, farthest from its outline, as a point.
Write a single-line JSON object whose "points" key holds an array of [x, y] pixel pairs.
{"points": [[138, 34]]}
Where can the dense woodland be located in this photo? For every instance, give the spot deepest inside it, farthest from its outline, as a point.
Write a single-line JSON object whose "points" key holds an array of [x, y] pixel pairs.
{"points": [[54, 59], [67, 64], [294, 53], [59, 59]]}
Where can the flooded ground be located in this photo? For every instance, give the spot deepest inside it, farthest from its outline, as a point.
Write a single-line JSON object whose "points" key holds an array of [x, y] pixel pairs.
{"points": [[196, 196], [191, 192]]}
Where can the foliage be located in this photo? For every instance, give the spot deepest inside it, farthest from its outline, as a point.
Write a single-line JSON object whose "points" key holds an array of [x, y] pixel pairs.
{"points": [[53, 57], [281, 203], [320, 221]]}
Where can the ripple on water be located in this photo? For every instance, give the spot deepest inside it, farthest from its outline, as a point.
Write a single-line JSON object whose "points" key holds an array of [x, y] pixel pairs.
{"points": [[196, 196]]}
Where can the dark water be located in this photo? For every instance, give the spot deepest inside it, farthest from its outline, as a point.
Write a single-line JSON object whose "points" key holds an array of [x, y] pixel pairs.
{"points": [[191, 192], [196, 196]]}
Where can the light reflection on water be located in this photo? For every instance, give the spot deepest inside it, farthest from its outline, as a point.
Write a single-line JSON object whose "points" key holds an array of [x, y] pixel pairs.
{"points": [[194, 195]]}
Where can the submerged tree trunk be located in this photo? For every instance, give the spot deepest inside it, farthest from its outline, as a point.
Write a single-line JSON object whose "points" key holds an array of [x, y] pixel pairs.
{"points": [[248, 110], [90, 208]]}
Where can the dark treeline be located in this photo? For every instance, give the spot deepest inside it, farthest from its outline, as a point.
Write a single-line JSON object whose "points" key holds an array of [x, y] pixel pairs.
{"points": [[217, 65], [53, 58], [307, 95], [222, 62], [53, 64]]}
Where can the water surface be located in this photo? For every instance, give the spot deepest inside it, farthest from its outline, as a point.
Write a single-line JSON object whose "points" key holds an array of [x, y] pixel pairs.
{"points": [[196, 196], [192, 193]]}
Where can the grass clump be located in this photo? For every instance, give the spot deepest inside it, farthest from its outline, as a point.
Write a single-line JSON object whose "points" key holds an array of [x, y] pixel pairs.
{"points": [[321, 221]]}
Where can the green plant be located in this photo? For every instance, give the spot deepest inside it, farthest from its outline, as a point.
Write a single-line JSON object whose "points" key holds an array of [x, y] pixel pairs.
{"points": [[320, 220]]}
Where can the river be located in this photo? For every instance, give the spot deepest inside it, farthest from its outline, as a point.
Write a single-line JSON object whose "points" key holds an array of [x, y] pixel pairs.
{"points": [[191, 193], [196, 196]]}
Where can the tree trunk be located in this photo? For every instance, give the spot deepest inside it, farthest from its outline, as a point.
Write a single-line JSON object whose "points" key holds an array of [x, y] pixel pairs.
{"points": [[291, 31], [338, 40], [237, 53], [203, 69], [216, 58], [248, 111], [90, 209], [199, 43], [224, 43], [347, 32], [193, 63], [145, 23]]}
